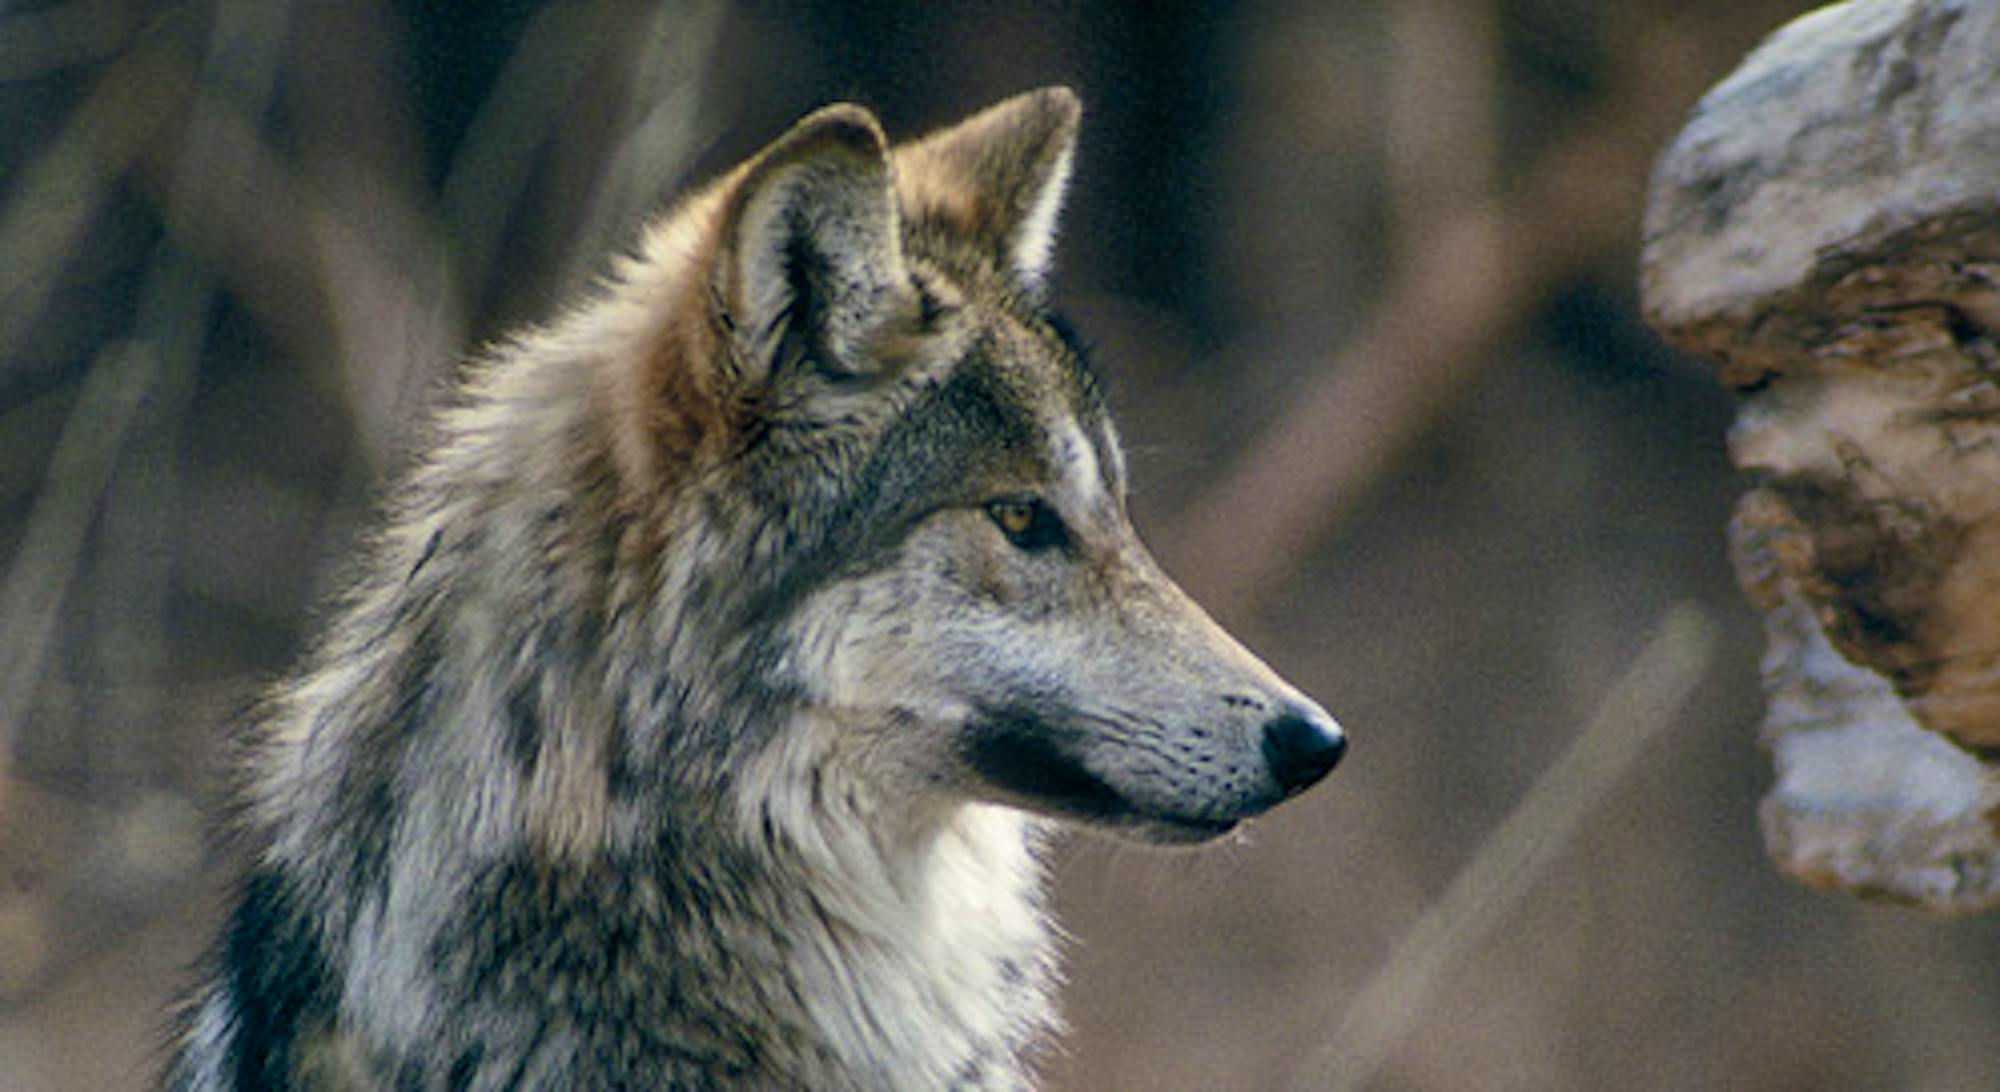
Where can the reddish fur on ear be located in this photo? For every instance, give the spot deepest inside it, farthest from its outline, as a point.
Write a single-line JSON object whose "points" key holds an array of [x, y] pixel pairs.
{"points": [[685, 400], [667, 404], [807, 229]]}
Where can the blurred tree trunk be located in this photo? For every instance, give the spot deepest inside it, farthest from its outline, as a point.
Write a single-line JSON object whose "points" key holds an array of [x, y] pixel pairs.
{"points": [[1827, 229]]}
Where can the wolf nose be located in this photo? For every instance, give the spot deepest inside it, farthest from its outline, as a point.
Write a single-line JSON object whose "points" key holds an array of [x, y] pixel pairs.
{"points": [[1301, 747]]}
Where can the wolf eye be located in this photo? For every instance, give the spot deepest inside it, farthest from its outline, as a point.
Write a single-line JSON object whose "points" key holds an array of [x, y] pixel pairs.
{"points": [[1027, 522]]}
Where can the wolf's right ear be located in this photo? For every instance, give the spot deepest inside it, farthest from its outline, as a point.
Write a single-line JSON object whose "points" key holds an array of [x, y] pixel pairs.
{"points": [[810, 259], [997, 179]]}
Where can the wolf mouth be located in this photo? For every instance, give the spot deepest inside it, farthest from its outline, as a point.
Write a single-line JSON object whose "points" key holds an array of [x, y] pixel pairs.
{"points": [[1025, 757]]}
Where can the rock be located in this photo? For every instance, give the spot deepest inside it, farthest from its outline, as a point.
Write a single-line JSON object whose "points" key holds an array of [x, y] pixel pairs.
{"points": [[1853, 160], [1827, 229]]}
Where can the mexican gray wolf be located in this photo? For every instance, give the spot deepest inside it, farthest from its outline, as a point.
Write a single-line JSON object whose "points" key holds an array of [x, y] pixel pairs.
{"points": [[696, 715]]}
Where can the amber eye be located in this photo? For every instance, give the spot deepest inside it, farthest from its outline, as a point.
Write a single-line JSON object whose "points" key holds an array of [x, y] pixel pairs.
{"points": [[1027, 522], [1014, 517]]}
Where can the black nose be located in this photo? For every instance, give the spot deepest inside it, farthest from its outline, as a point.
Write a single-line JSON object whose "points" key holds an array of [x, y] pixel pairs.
{"points": [[1302, 748]]}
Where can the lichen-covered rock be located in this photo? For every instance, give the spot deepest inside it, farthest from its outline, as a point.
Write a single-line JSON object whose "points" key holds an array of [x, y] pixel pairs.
{"points": [[1853, 159], [1827, 229], [1867, 800]]}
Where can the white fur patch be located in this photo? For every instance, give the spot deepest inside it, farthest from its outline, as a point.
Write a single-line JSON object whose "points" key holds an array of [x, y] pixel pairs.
{"points": [[929, 945], [1035, 238], [1082, 475]]}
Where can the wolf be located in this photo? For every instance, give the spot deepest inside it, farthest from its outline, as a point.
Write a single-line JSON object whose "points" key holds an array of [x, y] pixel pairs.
{"points": [[697, 714]]}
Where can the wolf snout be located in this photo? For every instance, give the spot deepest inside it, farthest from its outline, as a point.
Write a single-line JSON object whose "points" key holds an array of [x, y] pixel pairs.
{"points": [[1301, 746]]}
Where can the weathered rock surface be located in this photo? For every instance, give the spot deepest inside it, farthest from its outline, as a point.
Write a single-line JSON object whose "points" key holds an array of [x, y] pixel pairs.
{"points": [[1827, 229]]}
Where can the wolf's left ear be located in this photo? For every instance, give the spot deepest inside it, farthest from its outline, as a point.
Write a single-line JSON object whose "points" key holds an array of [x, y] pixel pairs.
{"points": [[810, 262], [997, 178]]}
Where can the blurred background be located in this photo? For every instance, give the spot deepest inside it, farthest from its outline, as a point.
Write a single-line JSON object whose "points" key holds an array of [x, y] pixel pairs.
{"points": [[1360, 276]]}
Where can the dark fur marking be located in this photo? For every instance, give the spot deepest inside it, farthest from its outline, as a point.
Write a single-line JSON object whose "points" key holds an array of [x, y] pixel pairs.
{"points": [[802, 344], [277, 977], [464, 1068], [1083, 369], [369, 781], [430, 551], [972, 1074], [371, 827], [1019, 753], [929, 308], [524, 729], [621, 778]]}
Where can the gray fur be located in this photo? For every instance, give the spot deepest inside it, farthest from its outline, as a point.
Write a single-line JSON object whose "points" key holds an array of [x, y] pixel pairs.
{"points": [[695, 716]]}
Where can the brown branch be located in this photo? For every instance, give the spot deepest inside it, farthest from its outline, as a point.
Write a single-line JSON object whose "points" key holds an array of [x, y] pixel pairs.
{"points": [[57, 197], [1463, 284]]}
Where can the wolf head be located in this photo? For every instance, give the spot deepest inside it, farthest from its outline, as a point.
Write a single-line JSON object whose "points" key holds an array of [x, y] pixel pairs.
{"points": [[895, 501]]}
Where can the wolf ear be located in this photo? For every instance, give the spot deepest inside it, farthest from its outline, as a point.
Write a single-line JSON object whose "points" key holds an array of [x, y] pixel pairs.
{"points": [[998, 177], [810, 259]]}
